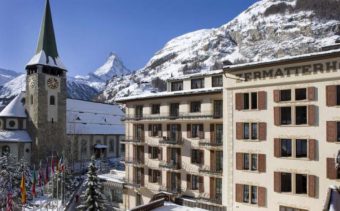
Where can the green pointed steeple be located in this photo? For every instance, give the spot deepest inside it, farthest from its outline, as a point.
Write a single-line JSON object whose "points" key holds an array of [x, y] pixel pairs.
{"points": [[47, 41]]}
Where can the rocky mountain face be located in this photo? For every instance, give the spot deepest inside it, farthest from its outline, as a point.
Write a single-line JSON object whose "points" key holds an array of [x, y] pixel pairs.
{"points": [[267, 30], [7, 75]]}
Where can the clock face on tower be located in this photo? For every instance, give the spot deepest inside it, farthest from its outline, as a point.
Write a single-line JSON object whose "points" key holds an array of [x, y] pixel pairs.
{"points": [[52, 83]]}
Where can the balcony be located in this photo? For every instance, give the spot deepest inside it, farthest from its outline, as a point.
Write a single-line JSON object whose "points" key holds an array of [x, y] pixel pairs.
{"points": [[208, 170], [215, 200], [171, 141], [174, 116], [132, 184], [171, 165], [216, 144], [134, 140], [173, 190], [137, 162]]}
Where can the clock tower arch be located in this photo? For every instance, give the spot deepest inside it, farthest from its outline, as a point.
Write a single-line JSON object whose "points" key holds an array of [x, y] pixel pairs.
{"points": [[46, 94]]}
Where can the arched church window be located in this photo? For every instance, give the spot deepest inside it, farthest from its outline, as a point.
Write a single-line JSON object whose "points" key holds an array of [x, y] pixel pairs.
{"points": [[5, 150], [52, 100], [31, 99]]}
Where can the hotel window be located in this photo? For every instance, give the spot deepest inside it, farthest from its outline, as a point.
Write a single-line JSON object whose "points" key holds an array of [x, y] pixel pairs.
{"points": [[174, 109], [246, 193], [155, 130], [154, 152], [252, 162], [250, 194], [138, 199], [194, 182], [197, 156], [139, 111], [250, 132], [197, 131], [154, 176], [218, 188], [177, 86], [286, 115], [284, 208], [300, 115], [197, 83], [301, 148], [246, 161], [219, 161], [195, 106], [286, 182], [285, 95], [301, 184], [286, 147], [155, 108], [250, 100], [301, 94], [217, 81]]}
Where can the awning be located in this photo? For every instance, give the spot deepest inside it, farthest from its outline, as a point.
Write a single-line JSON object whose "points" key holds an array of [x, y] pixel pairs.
{"points": [[100, 146]]}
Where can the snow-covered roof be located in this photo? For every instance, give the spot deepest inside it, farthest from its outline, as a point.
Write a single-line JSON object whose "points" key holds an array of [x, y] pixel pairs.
{"points": [[14, 136], [42, 59], [200, 74], [84, 117], [15, 108], [283, 59], [170, 94], [114, 176], [169, 206]]}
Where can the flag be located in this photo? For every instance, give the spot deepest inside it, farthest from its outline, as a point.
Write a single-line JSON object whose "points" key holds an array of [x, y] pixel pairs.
{"points": [[33, 184], [23, 189], [9, 202]]}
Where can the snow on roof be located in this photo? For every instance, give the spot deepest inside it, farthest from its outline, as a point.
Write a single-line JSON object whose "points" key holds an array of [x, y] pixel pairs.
{"points": [[85, 117], [200, 74], [170, 94], [168, 206], [114, 176], [100, 146], [40, 58], [283, 59], [15, 108], [14, 136]]}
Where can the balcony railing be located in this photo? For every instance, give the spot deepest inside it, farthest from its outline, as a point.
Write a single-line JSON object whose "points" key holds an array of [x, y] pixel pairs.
{"points": [[174, 190], [217, 114], [137, 161], [170, 165], [171, 141], [133, 139], [211, 171], [132, 184], [201, 115], [210, 143], [217, 199]]}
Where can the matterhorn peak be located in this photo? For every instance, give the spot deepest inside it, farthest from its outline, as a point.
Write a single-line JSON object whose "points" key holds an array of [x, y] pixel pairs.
{"points": [[111, 68]]}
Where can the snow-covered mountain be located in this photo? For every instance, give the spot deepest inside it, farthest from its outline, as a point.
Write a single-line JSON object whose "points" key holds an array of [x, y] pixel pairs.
{"points": [[75, 89], [268, 29], [7, 75], [113, 67]]}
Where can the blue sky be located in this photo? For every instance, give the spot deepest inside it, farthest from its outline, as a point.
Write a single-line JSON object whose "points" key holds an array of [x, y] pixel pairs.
{"points": [[88, 30]]}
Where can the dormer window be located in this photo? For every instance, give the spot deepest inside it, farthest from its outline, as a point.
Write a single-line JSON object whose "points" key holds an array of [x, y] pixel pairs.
{"points": [[177, 86], [197, 83], [217, 81]]}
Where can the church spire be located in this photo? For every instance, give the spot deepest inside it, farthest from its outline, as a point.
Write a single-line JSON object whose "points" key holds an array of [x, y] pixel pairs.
{"points": [[46, 52]]}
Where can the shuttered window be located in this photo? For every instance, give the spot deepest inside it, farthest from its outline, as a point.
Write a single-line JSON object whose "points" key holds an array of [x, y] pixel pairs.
{"points": [[298, 94], [250, 194], [251, 131], [252, 162], [251, 101], [304, 115], [295, 148]]}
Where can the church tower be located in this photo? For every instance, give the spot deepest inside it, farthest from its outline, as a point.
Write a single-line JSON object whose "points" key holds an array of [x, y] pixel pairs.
{"points": [[46, 95]]}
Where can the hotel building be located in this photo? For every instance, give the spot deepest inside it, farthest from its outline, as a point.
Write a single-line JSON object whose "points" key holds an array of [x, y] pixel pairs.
{"points": [[282, 132], [174, 143]]}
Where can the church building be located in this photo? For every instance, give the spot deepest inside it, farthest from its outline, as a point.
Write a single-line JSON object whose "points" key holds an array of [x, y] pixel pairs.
{"points": [[41, 122]]}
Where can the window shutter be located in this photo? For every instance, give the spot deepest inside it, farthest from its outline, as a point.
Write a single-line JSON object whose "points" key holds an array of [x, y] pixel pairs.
{"points": [[331, 95], [331, 170], [239, 161], [262, 162], [188, 181], [239, 193], [212, 133], [239, 101], [168, 179], [201, 184], [262, 131], [261, 196], [239, 130], [189, 130], [168, 154], [311, 114], [276, 96], [331, 131], [277, 116], [277, 147], [262, 100], [277, 182], [201, 132], [160, 154], [311, 93], [312, 149], [143, 133], [212, 161], [312, 186], [168, 130], [212, 188]]}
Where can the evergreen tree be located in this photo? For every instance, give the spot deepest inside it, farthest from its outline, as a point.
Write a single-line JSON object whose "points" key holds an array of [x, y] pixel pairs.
{"points": [[93, 199]]}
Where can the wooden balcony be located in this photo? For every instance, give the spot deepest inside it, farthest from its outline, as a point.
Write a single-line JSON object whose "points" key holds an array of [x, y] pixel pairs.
{"points": [[167, 141], [170, 165], [208, 170], [211, 144], [134, 140]]}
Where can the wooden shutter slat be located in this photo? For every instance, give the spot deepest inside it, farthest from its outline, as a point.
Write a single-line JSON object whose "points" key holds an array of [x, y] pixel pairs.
{"points": [[239, 193], [277, 116], [331, 95], [277, 147], [212, 161], [239, 101], [262, 162], [262, 100], [201, 184], [277, 182], [212, 188], [261, 196], [331, 131], [331, 170], [168, 179], [262, 131], [276, 96], [311, 93], [239, 130], [212, 133], [239, 161], [311, 114], [312, 185], [312, 149], [189, 130]]}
